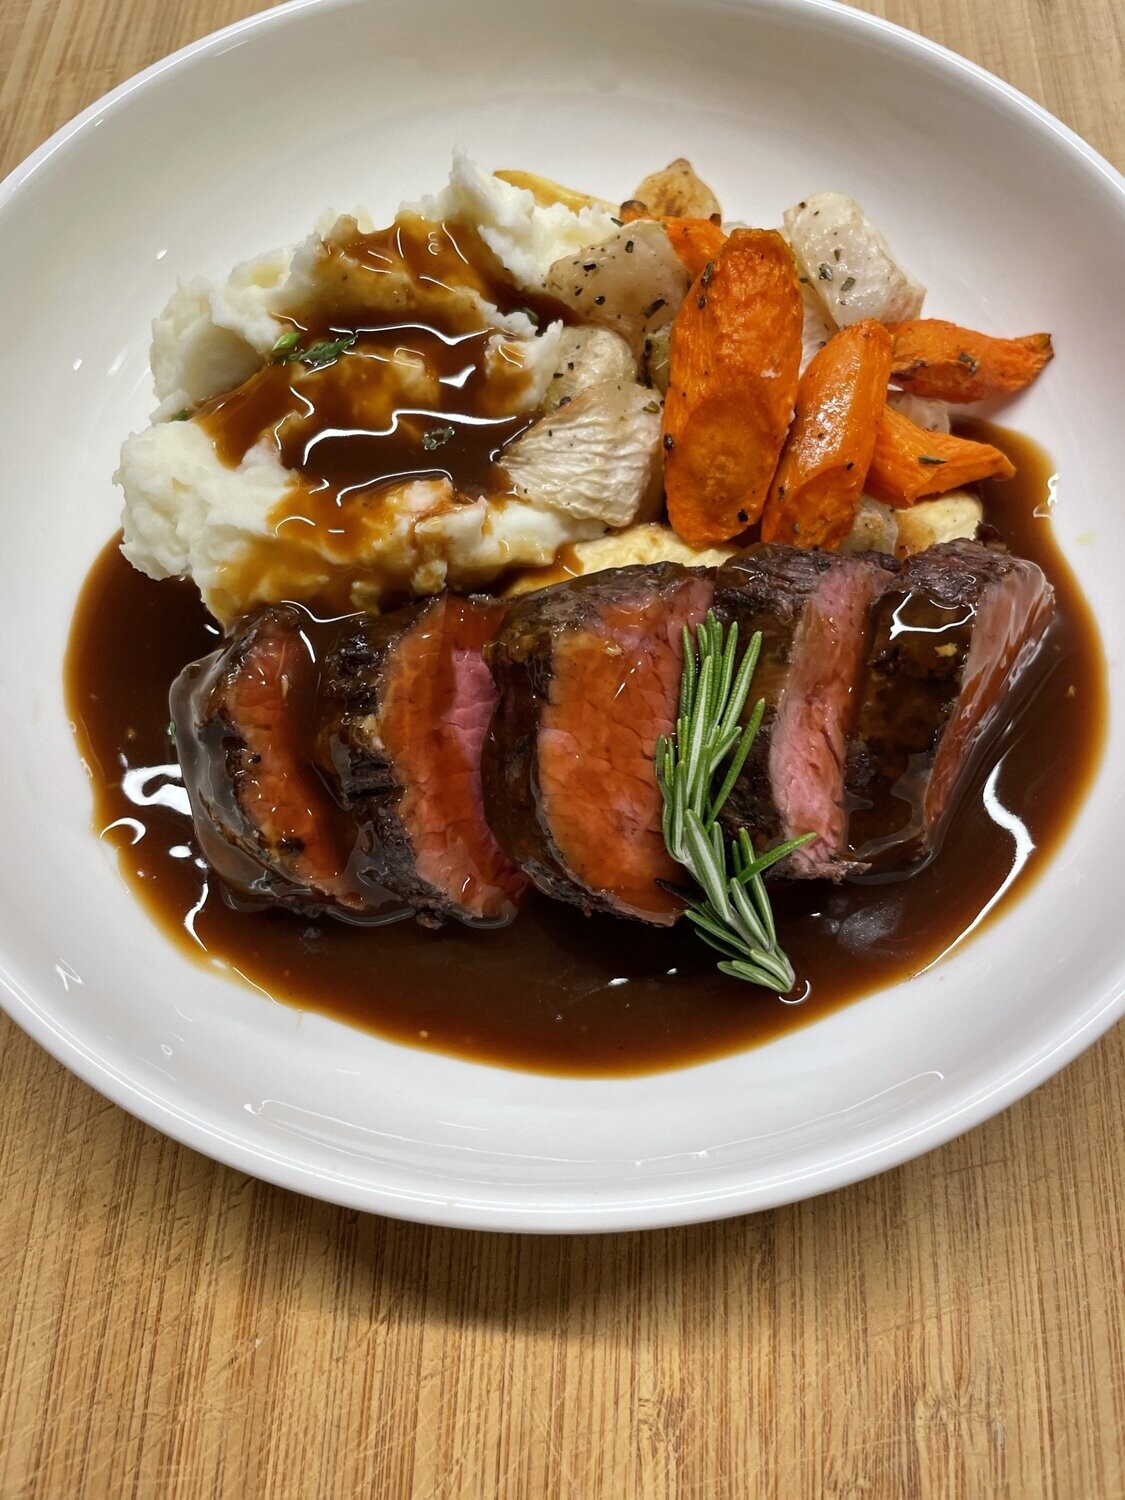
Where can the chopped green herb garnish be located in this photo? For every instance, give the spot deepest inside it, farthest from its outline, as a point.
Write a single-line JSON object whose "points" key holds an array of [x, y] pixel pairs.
{"points": [[323, 352], [530, 314], [180, 416], [172, 730], [925, 458], [436, 437], [327, 350], [846, 285], [824, 271], [967, 359]]}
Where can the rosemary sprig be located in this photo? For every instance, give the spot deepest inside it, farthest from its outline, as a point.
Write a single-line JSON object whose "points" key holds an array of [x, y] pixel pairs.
{"points": [[734, 914]]}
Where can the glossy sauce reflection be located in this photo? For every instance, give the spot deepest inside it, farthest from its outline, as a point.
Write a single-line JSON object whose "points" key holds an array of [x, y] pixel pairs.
{"points": [[413, 384], [557, 992]]}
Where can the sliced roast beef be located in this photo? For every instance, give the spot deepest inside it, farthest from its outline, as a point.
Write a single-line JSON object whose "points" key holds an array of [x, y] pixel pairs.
{"points": [[953, 636], [245, 718], [406, 701], [588, 674], [812, 609]]}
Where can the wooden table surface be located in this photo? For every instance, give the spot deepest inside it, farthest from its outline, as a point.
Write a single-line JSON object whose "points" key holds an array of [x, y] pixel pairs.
{"points": [[172, 1328]]}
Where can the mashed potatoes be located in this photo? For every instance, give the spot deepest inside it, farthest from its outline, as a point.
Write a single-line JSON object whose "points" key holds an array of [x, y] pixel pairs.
{"points": [[240, 527]]}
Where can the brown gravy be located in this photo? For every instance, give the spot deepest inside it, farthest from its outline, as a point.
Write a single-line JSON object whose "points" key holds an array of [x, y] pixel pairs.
{"points": [[413, 384], [556, 992]]}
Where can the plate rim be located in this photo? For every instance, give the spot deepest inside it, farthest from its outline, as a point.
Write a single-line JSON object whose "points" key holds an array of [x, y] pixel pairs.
{"points": [[594, 1212]]}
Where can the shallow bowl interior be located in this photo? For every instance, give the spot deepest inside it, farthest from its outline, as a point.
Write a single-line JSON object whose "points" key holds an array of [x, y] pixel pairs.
{"points": [[1008, 220]]}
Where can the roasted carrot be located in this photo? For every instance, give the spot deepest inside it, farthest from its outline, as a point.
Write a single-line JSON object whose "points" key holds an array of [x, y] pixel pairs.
{"points": [[732, 380], [695, 241], [819, 480], [910, 462], [941, 360]]}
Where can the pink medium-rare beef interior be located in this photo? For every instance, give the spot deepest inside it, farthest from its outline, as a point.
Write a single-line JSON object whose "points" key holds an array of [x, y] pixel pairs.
{"points": [[266, 820], [435, 707], [614, 691], [405, 705], [812, 611], [1012, 612], [588, 675], [808, 744]]}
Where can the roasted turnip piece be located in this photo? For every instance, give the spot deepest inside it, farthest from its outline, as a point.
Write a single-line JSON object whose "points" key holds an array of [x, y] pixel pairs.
{"points": [[597, 458], [875, 528], [633, 282], [848, 263], [953, 636], [406, 702], [816, 326], [586, 357], [677, 191], [923, 411], [267, 823], [588, 675], [812, 609]]}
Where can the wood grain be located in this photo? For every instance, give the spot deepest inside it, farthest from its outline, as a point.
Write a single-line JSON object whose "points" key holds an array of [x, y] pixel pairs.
{"points": [[171, 1328]]}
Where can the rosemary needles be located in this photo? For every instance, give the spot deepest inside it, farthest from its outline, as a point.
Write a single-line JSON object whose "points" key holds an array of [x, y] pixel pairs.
{"points": [[733, 914]]}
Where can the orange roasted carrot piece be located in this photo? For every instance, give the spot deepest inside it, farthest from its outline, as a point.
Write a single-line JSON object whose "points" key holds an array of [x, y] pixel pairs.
{"points": [[695, 241], [910, 462], [819, 480], [732, 380], [940, 360]]}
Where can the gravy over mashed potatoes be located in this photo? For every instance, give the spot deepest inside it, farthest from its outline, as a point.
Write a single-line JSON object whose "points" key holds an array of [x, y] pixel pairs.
{"points": [[329, 414]]}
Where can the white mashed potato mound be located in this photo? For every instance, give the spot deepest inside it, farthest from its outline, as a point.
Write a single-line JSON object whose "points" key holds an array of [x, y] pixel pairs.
{"points": [[211, 522], [526, 237], [189, 514], [213, 334]]}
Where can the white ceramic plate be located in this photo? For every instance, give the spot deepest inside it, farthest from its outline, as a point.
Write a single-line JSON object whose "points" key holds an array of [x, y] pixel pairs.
{"points": [[234, 146]]}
